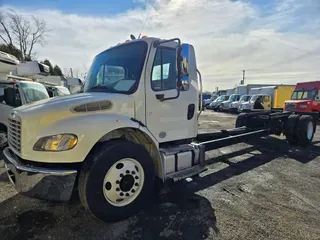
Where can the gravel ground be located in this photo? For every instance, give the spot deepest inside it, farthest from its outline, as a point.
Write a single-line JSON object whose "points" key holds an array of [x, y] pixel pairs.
{"points": [[263, 189]]}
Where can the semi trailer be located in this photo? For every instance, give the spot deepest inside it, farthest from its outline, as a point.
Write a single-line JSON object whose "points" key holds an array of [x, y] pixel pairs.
{"points": [[111, 143]]}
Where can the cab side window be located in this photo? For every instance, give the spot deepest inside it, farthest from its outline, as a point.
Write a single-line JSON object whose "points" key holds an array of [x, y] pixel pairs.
{"points": [[9, 96], [164, 72]]}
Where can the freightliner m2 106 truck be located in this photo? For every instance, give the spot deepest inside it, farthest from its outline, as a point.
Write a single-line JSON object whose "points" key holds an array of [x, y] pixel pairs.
{"points": [[136, 121]]}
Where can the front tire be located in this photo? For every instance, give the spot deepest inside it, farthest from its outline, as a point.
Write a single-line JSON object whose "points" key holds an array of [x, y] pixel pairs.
{"points": [[117, 180]]}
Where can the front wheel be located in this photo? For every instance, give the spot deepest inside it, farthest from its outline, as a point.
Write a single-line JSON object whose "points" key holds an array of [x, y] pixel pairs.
{"points": [[117, 180]]}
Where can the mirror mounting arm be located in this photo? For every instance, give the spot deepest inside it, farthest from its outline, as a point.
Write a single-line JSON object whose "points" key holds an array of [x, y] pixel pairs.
{"points": [[159, 42]]}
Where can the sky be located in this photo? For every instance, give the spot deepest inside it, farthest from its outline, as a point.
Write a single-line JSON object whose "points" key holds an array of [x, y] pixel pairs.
{"points": [[275, 41]]}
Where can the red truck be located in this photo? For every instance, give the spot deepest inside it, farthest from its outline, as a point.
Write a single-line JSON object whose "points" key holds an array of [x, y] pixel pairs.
{"points": [[305, 98]]}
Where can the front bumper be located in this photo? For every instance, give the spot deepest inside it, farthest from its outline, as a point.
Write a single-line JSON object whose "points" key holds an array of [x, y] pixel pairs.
{"points": [[39, 182]]}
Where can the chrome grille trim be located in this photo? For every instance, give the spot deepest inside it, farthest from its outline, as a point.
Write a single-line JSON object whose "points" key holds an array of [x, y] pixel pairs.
{"points": [[14, 133], [290, 106]]}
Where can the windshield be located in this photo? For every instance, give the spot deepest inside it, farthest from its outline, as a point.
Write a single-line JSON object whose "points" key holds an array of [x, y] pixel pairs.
{"points": [[63, 91], [233, 98], [303, 94], [219, 99], [117, 70], [245, 98], [213, 98], [255, 97], [34, 92]]}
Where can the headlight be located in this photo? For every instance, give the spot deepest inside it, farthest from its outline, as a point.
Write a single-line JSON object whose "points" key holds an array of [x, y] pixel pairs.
{"points": [[56, 143]]}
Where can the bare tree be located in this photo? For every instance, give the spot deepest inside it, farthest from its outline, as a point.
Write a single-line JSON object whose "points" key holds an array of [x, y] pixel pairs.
{"points": [[23, 32], [76, 72]]}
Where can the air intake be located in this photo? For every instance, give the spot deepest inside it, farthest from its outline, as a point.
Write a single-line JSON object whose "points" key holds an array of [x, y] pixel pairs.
{"points": [[93, 106]]}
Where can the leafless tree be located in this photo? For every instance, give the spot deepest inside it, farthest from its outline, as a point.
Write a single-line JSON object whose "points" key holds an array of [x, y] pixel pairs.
{"points": [[76, 72], [22, 32]]}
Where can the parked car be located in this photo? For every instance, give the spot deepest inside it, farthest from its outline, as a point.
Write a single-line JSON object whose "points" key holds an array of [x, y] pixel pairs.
{"points": [[235, 105], [215, 105], [225, 105]]}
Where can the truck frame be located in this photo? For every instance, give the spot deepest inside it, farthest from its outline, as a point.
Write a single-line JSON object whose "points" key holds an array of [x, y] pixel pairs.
{"points": [[140, 123]]}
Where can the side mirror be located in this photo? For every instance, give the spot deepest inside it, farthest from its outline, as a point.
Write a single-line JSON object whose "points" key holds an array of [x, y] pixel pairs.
{"points": [[183, 67]]}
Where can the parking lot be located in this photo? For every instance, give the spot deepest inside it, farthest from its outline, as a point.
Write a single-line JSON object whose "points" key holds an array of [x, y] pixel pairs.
{"points": [[261, 189]]}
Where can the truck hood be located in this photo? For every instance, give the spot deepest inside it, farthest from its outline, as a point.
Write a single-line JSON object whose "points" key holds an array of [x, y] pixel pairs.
{"points": [[46, 111], [57, 100]]}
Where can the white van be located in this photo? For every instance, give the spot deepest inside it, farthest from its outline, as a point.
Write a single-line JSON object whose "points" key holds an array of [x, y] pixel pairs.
{"points": [[14, 93]]}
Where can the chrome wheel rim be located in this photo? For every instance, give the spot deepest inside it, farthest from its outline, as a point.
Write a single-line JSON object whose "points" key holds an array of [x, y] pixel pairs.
{"points": [[310, 130], [123, 182]]}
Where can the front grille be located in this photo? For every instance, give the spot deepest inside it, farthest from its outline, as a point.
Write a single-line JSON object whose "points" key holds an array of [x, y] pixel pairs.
{"points": [[14, 133], [291, 106]]}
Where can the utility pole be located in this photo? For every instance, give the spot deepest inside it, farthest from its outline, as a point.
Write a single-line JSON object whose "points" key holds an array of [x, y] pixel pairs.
{"points": [[71, 72], [243, 77]]}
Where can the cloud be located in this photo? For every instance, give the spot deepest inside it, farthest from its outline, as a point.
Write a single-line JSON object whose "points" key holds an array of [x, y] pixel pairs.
{"points": [[280, 45]]}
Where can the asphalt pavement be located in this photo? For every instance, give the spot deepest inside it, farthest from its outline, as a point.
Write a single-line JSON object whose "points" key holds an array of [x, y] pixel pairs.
{"points": [[261, 189]]}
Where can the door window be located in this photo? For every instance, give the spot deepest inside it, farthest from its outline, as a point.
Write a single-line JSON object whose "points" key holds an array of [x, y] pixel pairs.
{"points": [[266, 99], [164, 72], [9, 95]]}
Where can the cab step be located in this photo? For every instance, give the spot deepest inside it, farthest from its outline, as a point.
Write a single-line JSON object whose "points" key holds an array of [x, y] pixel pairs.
{"points": [[189, 172]]}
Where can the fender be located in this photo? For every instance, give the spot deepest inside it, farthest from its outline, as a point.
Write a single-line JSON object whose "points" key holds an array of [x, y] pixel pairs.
{"points": [[89, 129]]}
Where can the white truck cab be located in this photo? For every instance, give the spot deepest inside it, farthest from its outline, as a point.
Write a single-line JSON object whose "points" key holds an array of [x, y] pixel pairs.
{"points": [[136, 120], [258, 102], [235, 105], [142, 95], [215, 105], [226, 105], [16, 90], [13, 94]]}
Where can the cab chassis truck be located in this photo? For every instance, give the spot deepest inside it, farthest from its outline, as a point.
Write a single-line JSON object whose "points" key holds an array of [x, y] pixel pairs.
{"points": [[136, 122]]}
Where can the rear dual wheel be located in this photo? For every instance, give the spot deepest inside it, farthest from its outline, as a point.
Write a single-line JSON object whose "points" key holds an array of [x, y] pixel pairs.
{"points": [[117, 180], [242, 120], [299, 129]]}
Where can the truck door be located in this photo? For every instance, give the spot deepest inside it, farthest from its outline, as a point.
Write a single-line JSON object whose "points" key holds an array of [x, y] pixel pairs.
{"points": [[173, 119]]}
